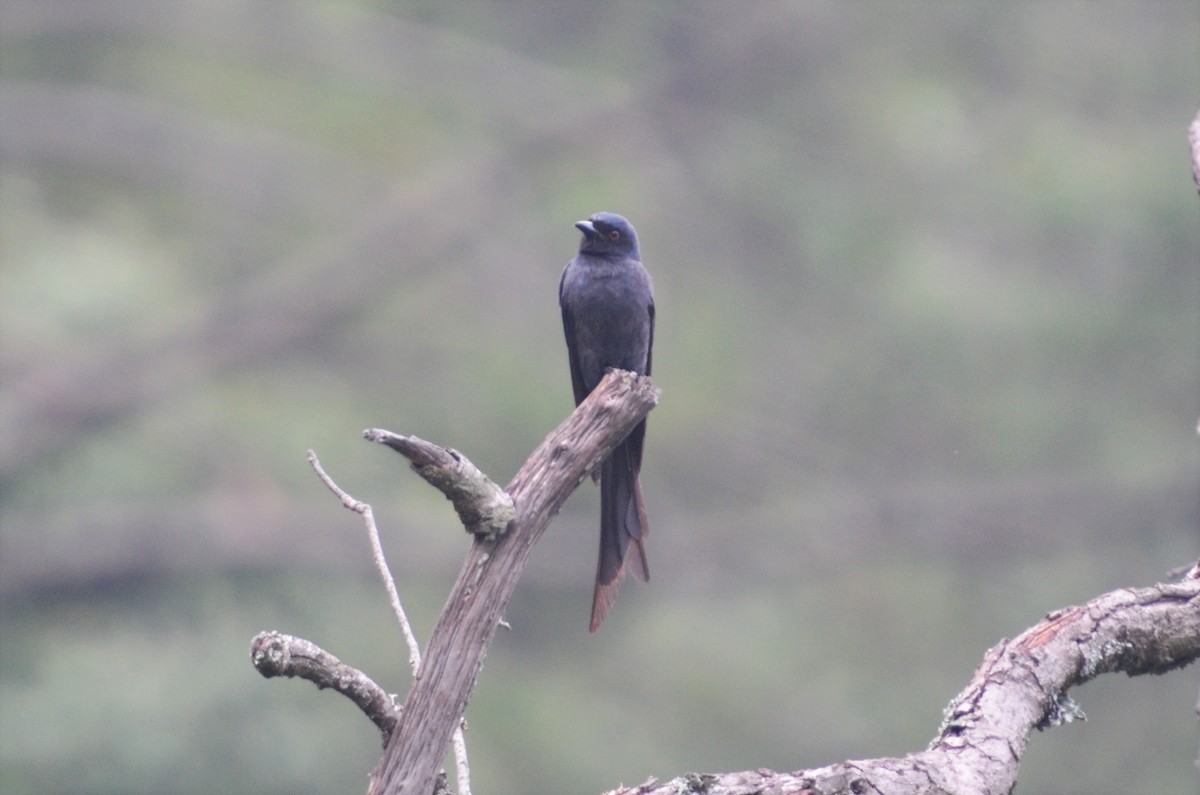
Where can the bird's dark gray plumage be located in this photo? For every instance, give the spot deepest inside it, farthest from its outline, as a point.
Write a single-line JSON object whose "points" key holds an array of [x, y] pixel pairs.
{"points": [[608, 317]]}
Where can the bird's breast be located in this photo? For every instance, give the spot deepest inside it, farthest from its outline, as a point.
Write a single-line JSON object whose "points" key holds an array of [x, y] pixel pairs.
{"points": [[610, 308]]}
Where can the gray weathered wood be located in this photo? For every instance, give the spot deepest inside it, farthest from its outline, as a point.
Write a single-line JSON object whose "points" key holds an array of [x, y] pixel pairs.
{"points": [[1021, 685], [489, 575]]}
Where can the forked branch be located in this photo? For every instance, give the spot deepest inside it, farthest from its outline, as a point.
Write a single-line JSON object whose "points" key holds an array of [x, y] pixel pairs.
{"points": [[489, 575]]}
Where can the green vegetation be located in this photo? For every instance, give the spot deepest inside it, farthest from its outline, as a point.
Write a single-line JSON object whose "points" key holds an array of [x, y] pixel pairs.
{"points": [[928, 284]]}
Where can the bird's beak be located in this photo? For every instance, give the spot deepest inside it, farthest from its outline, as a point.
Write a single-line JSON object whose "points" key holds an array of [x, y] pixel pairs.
{"points": [[586, 227]]}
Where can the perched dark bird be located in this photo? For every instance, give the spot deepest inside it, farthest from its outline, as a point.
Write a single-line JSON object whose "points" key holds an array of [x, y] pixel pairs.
{"points": [[608, 318]]}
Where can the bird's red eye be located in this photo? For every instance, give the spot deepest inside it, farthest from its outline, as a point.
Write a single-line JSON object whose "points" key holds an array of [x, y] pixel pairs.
{"points": [[614, 234]]}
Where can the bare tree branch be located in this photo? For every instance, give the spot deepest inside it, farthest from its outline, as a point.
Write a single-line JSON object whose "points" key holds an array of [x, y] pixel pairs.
{"points": [[276, 654], [385, 572], [1021, 685], [489, 575], [462, 766], [483, 507]]}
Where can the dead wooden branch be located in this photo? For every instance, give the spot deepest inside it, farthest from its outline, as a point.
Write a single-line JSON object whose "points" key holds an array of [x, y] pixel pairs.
{"points": [[489, 575], [277, 654], [483, 507], [1020, 686], [272, 652]]}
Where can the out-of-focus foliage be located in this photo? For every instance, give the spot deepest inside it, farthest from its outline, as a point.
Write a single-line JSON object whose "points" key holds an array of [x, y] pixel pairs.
{"points": [[928, 338]]}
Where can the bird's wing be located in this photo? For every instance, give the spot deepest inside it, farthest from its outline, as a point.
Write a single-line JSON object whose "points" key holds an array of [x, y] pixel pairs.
{"points": [[569, 332], [650, 341]]}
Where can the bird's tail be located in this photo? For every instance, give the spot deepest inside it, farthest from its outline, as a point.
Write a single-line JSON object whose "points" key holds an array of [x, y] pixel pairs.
{"points": [[623, 528]]}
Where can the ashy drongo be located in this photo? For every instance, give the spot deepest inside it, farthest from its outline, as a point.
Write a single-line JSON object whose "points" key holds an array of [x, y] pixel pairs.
{"points": [[608, 318]]}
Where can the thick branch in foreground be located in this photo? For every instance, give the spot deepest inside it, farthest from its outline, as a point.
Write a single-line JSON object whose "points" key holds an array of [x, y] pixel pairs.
{"points": [[490, 573], [276, 654], [1021, 685]]}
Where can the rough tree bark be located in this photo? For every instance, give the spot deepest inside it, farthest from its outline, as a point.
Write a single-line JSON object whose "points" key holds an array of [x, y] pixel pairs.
{"points": [[277, 654], [1020, 686]]}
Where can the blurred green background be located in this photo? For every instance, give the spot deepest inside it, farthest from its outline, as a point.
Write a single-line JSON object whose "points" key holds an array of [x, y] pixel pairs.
{"points": [[928, 339]]}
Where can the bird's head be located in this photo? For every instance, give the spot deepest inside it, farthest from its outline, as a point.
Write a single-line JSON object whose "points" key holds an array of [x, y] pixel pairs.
{"points": [[608, 235]]}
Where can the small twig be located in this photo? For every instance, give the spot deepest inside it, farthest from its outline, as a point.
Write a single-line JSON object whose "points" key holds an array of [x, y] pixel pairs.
{"points": [[364, 510], [276, 654], [462, 768]]}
